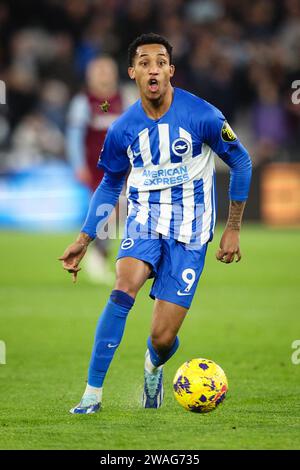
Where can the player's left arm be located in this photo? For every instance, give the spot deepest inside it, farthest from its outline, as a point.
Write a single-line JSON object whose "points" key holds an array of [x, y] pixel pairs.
{"points": [[230, 240], [226, 145]]}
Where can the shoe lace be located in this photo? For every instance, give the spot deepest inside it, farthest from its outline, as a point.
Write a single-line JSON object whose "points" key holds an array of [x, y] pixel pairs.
{"points": [[152, 382], [88, 400]]}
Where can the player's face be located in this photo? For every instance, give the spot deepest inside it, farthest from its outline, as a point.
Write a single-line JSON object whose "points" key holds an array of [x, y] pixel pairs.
{"points": [[152, 71], [102, 76]]}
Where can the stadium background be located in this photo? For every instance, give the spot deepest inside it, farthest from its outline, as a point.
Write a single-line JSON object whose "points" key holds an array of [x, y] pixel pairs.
{"points": [[241, 56]]}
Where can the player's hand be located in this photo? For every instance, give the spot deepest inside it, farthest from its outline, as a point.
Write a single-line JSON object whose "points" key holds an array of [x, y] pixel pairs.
{"points": [[229, 247], [74, 254]]}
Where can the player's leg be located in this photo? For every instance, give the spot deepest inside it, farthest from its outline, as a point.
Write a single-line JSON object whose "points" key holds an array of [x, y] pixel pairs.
{"points": [[131, 274], [173, 288], [162, 344], [166, 321]]}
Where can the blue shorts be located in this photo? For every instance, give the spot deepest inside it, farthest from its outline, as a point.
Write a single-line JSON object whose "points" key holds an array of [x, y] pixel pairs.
{"points": [[175, 268]]}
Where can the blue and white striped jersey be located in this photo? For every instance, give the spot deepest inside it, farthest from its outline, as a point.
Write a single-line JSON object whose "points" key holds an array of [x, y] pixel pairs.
{"points": [[171, 184]]}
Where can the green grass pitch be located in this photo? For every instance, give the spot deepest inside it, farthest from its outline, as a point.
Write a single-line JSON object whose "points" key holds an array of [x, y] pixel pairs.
{"points": [[244, 316]]}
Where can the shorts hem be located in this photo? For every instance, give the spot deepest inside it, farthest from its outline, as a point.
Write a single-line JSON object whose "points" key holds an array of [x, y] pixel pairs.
{"points": [[140, 258], [161, 297]]}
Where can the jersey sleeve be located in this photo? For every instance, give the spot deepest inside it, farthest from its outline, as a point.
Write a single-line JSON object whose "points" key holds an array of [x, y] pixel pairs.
{"points": [[79, 112], [223, 141], [113, 156], [77, 121], [102, 203]]}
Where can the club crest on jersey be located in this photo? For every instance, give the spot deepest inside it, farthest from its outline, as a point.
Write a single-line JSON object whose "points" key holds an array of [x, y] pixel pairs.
{"points": [[227, 133], [181, 147]]}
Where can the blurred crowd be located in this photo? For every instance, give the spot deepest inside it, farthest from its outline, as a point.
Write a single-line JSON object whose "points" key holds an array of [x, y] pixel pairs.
{"points": [[242, 56]]}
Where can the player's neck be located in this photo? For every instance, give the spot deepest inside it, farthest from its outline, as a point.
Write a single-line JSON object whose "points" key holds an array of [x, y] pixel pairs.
{"points": [[155, 109]]}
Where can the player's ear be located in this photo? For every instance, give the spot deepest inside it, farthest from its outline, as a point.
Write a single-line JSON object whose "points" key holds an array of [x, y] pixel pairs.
{"points": [[172, 70], [131, 73]]}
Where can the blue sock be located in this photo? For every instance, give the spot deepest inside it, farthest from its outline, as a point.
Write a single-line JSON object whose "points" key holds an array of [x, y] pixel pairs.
{"points": [[159, 358], [109, 332]]}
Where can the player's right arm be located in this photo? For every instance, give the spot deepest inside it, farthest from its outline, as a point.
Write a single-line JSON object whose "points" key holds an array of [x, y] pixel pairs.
{"points": [[115, 162], [101, 206]]}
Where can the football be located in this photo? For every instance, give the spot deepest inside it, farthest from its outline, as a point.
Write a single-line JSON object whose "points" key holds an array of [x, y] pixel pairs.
{"points": [[200, 385]]}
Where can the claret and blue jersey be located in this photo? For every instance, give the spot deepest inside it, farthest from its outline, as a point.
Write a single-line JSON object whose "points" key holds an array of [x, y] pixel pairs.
{"points": [[171, 184]]}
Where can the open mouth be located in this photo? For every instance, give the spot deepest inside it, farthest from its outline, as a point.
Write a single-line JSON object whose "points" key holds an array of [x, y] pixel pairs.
{"points": [[153, 85]]}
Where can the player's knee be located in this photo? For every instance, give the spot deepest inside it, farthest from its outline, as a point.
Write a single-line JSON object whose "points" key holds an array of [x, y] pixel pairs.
{"points": [[162, 341], [127, 286]]}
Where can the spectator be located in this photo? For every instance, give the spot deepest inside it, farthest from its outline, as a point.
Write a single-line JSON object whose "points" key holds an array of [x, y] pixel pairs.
{"points": [[269, 122], [224, 49]]}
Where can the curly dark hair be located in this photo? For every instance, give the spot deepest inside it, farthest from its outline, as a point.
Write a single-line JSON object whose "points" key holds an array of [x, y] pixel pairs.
{"points": [[149, 38]]}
